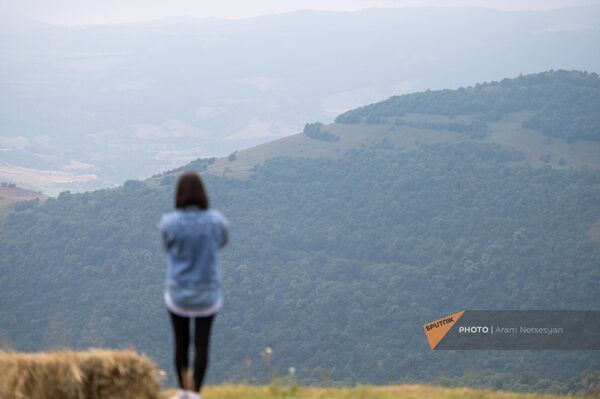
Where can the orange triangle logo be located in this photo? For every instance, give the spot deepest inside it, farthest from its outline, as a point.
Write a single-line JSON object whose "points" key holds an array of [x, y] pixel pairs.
{"points": [[436, 330]]}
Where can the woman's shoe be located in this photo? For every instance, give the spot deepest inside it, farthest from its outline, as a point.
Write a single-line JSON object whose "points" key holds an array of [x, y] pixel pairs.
{"points": [[181, 394], [192, 395]]}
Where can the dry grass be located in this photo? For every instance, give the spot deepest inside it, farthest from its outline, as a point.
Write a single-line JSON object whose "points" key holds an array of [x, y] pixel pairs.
{"points": [[95, 374], [103, 374], [359, 392]]}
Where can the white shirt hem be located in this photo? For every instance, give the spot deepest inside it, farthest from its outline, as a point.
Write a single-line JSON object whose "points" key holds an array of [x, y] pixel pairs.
{"points": [[202, 312]]}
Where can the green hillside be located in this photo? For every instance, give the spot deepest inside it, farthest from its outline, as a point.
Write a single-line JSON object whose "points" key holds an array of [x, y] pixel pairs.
{"points": [[340, 251], [562, 104], [553, 118]]}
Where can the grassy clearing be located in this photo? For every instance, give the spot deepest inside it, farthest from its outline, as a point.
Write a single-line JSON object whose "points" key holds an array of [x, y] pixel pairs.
{"points": [[351, 136], [50, 181], [534, 145], [360, 392]]}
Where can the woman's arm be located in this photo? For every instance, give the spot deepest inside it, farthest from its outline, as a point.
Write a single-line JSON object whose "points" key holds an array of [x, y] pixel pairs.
{"points": [[223, 228], [163, 226]]}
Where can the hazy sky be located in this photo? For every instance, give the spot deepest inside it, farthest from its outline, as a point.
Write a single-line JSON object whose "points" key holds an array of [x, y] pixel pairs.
{"points": [[74, 12]]}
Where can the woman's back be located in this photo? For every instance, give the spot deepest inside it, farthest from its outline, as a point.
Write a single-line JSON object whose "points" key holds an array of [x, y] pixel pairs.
{"points": [[192, 238]]}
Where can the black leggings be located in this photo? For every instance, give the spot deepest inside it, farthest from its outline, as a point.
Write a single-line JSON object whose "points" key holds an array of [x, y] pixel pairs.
{"points": [[181, 329]]}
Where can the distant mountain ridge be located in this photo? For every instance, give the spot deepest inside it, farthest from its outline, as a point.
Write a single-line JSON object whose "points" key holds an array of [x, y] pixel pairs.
{"points": [[172, 91]]}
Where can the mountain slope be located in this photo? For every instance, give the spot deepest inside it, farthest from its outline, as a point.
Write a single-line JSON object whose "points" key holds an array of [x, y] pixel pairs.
{"points": [[553, 118], [336, 260]]}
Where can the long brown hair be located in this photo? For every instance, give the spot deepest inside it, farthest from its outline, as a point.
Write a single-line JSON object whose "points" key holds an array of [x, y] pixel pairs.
{"points": [[190, 191]]}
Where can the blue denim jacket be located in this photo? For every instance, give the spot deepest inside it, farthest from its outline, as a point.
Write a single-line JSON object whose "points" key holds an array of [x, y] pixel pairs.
{"points": [[192, 238]]}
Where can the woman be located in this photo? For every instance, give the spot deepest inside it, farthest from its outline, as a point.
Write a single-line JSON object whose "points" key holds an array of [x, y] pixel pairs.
{"points": [[192, 235]]}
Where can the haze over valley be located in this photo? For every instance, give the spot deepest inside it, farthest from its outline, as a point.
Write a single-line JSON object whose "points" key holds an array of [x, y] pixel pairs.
{"points": [[91, 106]]}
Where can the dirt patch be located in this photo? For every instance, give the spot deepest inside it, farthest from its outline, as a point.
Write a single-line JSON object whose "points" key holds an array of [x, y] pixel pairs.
{"points": [[10, 195]]}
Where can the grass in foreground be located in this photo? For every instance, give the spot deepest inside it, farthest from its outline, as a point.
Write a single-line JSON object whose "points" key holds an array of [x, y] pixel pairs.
{"points": [[360, 392]]}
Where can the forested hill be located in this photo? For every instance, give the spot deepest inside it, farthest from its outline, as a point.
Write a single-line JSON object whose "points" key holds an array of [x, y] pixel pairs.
{"points": [[563, 104], [338, 255]]}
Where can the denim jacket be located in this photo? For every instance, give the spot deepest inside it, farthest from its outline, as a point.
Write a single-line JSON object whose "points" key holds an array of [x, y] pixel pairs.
{"points": [[192, 238]]}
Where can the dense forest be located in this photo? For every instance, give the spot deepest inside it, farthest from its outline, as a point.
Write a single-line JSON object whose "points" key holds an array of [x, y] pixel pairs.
{"points": [[562, 104], [333, 263]]}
